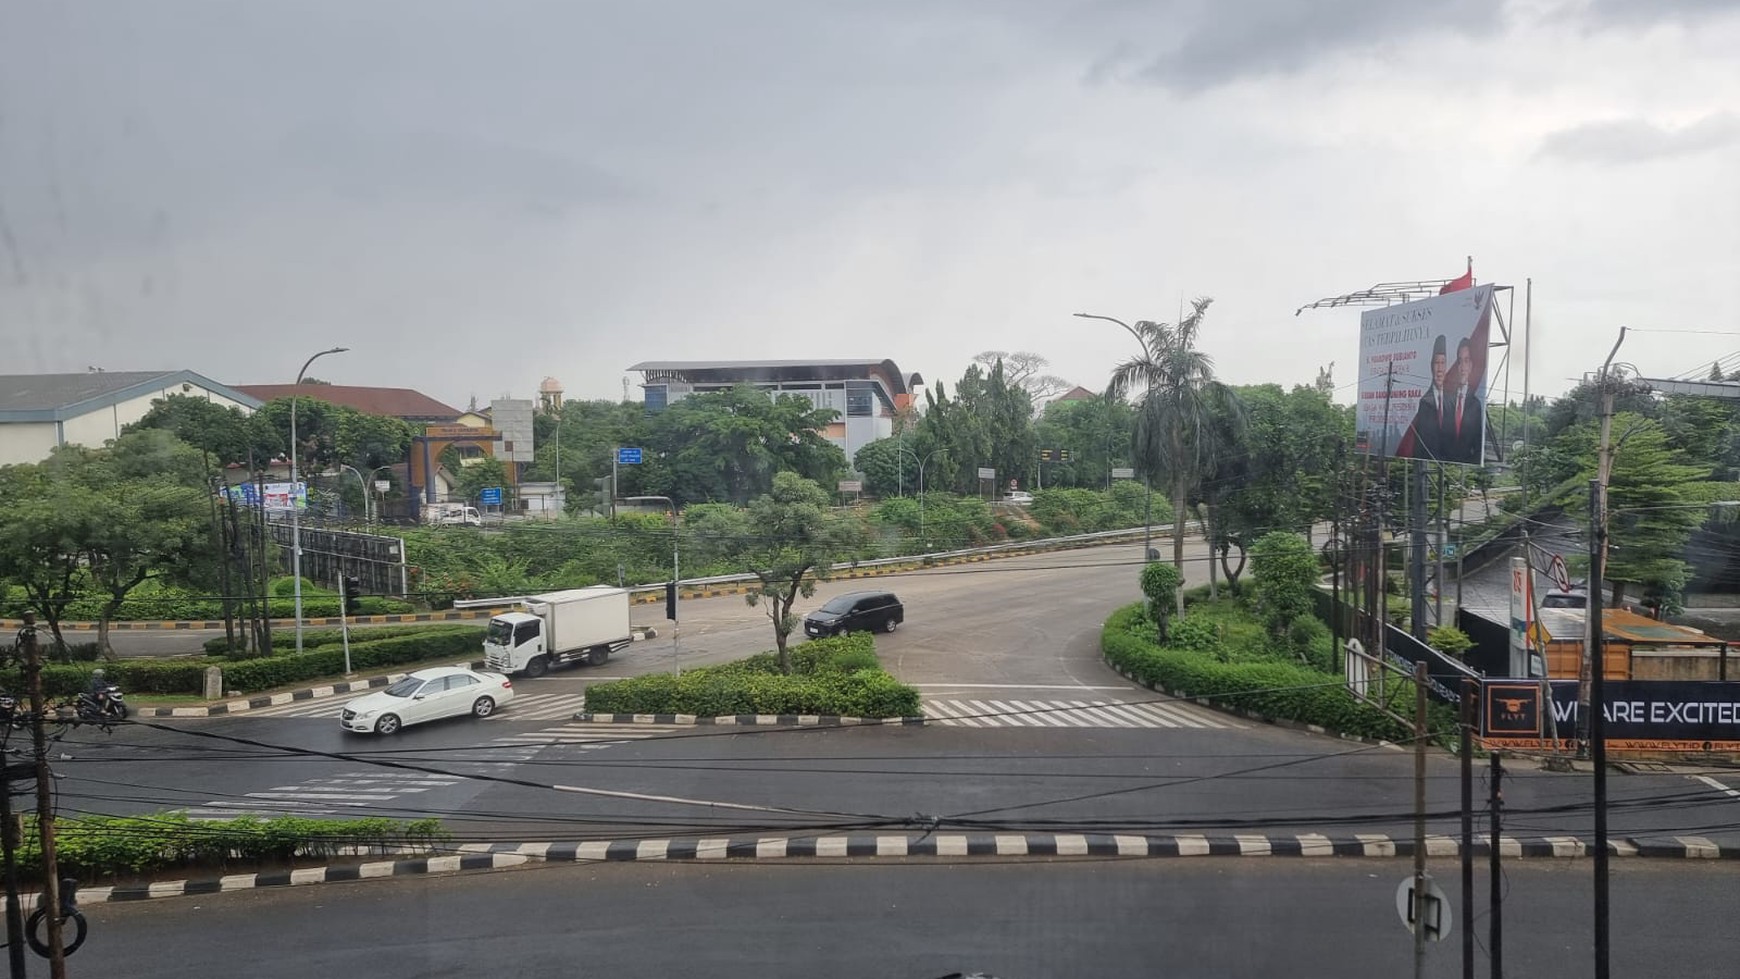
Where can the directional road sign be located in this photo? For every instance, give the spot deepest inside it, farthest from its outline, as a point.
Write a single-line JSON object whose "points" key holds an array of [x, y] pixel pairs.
{"points": [[628, 457]]}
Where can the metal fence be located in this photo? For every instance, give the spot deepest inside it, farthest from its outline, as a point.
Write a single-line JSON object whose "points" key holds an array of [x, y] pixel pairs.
{"points": [[328, 556]]}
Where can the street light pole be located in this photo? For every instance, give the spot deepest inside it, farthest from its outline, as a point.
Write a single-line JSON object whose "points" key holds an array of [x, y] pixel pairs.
{"points": [[295, 512], [676, 575], [921, 465], [354, 471], [1148, 506]]}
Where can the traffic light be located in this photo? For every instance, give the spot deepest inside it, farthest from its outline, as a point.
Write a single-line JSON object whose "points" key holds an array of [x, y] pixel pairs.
{"points": [[352, 592], [671, 600], [1063, 455]]}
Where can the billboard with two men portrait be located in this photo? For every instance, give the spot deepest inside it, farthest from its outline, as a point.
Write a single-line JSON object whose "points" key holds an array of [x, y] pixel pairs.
{"points": [[1422, 378]]}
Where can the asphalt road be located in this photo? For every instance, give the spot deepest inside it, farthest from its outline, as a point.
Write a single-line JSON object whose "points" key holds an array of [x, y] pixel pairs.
{"points": [[1039, 919]]}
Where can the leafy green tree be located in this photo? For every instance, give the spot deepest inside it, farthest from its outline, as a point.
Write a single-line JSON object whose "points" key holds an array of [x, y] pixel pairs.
{"points": [[728, 445], [1095, 431], [1651, 514], [788, 539], [1705, 430], [1449, 640], [1160, 582], [153, 516], [880, 464], [226, 433], [43, 537], [1173, 437], [1284, 571]]}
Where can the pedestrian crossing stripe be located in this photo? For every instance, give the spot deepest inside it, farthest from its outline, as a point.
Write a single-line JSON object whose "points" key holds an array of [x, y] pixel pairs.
{"points": [[1074, 713], [524, 707], [591, 736]]}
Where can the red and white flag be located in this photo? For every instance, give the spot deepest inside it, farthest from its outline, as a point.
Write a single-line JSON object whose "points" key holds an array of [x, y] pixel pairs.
{"points": [[1463, 281]]}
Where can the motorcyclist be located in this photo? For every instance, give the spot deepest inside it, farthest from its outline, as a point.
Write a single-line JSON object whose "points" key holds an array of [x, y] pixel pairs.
{"points": [[99, 685]]}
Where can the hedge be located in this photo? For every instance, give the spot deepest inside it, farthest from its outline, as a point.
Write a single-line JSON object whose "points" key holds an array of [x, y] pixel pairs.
{"points": [[187, 676], [285, 639], [1276, 689], [107, 847], [251, 675], [838, 677]]}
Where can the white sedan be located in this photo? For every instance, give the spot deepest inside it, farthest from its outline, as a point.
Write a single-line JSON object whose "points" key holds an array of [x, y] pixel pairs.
{"points": [[442, 691], [1019, 498]]}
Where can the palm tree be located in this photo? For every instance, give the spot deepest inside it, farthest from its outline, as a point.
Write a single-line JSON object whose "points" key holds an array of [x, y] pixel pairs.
{"points": [[1174, 434]]}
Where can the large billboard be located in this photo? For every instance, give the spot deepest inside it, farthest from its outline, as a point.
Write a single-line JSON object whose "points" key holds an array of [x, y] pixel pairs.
{"points": [[1422, 378]]}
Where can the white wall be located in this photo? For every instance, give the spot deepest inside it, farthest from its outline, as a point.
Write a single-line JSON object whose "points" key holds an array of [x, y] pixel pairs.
{"points": [[25, 442], [101, 424]]}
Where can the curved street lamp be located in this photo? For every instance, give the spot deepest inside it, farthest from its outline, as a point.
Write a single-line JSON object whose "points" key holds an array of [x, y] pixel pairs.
{"points": [[295, 512], [1148, 504]]}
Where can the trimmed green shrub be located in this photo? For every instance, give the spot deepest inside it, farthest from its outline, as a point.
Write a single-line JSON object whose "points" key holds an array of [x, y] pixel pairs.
{"points": [[463, 643], [837, 676], [106, 847], [284, 640], [1273, 689]]}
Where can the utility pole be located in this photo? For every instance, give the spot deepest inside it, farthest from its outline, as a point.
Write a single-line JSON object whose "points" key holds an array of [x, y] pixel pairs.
{"points": [[1597, 657], [1495, 925], [1421, 898], [44, 795], [1417, 534], [1465, 748], [9, 841]]}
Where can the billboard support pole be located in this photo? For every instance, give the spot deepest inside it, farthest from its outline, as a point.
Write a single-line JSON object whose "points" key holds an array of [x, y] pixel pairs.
{"points": [[1417, 532]]}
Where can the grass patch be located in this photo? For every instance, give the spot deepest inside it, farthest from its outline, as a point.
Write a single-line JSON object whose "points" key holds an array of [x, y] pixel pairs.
{"points": [[838, 676]]}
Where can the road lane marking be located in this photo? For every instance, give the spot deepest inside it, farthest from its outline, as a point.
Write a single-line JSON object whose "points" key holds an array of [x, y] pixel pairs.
{"points": [[1718, 786]]}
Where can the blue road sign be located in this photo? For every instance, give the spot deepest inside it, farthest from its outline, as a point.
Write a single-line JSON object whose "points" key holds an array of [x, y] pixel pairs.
{"points": [[628, 457], [490, 496]]}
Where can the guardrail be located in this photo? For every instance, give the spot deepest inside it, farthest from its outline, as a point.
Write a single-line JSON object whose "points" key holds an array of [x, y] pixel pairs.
{"points": [[1043, 543]]}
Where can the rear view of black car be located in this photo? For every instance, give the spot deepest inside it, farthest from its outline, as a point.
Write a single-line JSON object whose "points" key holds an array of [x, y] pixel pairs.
{"points": [[859, 611]]}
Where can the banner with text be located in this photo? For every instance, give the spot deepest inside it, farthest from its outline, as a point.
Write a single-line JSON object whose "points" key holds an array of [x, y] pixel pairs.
{"points": [[1422, 378], [1641, 715]]}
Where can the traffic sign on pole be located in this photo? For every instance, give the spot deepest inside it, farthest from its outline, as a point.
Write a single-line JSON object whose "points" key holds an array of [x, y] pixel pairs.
{"points": [[1437, 910], [628, 457], [490, 496]]}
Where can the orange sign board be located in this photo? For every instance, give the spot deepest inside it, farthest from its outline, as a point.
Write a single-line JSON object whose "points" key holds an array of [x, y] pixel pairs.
{"points": [[458, 431]]}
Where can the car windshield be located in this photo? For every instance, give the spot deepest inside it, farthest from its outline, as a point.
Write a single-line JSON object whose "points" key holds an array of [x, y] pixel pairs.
{"points": [[839, 606], [404, 688]]}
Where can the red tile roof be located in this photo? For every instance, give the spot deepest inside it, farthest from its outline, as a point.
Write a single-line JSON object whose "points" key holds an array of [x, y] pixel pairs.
{"points": [[392, 402]]}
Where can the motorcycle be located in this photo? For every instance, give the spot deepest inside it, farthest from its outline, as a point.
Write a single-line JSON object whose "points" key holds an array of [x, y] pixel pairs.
{"points": [[108, 704]]}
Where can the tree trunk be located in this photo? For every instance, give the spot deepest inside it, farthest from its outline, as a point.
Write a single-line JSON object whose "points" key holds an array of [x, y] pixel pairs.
{"points": [[1178, 529], [1232, 574], [1208, 532], [1618, 599]]}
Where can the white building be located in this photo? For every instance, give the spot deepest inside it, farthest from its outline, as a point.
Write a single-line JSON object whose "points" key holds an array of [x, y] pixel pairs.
{"points": [[866, 394], [39, 412]]}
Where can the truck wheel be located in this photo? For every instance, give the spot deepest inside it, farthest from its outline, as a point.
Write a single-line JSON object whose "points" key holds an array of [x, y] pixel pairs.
{"points": [[599, 656], [538, 666]]}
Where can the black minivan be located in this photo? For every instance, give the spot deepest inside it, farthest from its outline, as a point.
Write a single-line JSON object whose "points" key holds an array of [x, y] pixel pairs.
{"points": [[856, 612]]}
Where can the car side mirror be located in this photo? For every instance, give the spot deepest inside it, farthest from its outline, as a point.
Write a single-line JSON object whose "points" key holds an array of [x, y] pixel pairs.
{"points": [[419, 696]]}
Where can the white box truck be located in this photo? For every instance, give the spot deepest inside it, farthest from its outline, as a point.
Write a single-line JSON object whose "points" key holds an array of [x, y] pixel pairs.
{"points": [[557, 629], [451, 515]]}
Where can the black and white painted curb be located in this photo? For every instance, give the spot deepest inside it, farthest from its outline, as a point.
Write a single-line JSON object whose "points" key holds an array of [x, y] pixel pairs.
{"points": [[498, 856], [291, 878], [1086, 845], [750, 720]]}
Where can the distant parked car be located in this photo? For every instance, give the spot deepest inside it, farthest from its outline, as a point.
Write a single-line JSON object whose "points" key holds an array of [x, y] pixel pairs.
{"points": [[1575, 598], [1019, 498], [427, 695], [856, 611]]}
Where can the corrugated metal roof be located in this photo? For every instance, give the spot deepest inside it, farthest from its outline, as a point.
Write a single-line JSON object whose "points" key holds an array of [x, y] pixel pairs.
{"points": [[1569, 623], [780, 370], [391, 402], [41, 392], [47, 397]]}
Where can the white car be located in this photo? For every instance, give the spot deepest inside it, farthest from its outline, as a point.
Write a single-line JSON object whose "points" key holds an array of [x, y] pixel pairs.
{"points": [[1019, 498], [442, 691]]}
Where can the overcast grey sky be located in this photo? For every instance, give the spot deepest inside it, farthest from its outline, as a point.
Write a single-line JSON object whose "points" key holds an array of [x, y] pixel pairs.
{"points": [[473, 195]]}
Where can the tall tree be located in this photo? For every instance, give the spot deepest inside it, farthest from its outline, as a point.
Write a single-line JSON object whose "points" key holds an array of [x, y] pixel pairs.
{"points": [[1096, 432], [1178, 387], [1025, 370], [788, 539], [728, 446]]}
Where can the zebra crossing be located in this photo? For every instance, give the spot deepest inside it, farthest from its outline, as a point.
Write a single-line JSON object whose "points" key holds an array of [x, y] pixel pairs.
{"points": [[1074, 713], [590, 736], [344, 794], [524, 707]]}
